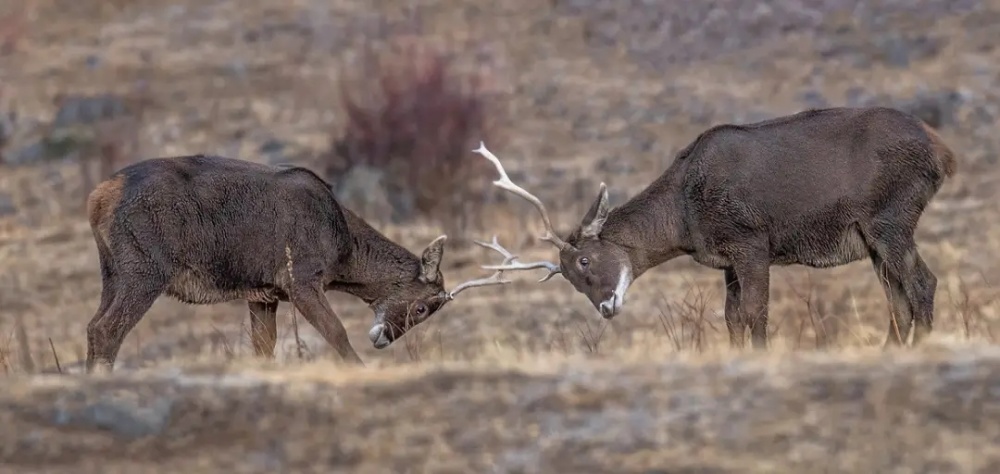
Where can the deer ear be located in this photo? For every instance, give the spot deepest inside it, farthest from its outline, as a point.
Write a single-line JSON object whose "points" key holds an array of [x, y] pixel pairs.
{"points": [[593, 221], [431, 259]]}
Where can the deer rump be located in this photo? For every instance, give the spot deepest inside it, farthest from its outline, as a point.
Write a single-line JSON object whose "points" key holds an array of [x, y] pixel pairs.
{"points": [[817, 188], [217, 229]]}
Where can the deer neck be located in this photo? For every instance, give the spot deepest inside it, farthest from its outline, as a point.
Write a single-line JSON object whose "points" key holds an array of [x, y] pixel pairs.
{"points": [[375, 264], [650, 227]]}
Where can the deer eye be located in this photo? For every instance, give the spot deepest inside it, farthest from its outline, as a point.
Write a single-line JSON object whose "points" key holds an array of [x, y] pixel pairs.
{"points": [[584, 261], [421, 308]]}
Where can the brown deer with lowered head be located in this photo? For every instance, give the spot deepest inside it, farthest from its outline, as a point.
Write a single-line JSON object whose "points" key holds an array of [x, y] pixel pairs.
{"points": [[820, 188], [207, 229]]}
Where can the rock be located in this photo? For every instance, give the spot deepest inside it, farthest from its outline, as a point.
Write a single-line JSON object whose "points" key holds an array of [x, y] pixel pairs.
{"points": [[858, 97], [8, 125], [363, 189], [813, 99], [898, 51], [126, 417], [615, 165], [56, 147], [7, 207], [274, 151], [92, 61], [937, 108], [273, 146], [81, 110]]}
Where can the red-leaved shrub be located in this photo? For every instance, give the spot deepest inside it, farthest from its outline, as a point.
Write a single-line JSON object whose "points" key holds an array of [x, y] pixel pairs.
{"points": [[414, 117]]}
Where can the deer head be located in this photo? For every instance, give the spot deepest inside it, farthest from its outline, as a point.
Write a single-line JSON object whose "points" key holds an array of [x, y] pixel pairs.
{"points": [[415, 301], [599, 269]]}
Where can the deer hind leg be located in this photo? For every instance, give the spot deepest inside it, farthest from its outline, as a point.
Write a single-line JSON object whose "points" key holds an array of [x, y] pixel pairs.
{"points": [[900, 314], [107, 331], [915, 284], [920, 285], [734, 322], [263, 327], [309, 300]]}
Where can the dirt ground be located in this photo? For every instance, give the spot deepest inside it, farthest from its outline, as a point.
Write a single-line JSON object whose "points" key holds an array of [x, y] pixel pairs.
{"points": [[592, 91]]}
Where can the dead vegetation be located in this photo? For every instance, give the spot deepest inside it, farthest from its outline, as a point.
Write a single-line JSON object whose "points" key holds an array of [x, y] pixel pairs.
{"points": [[868, 411], [412, 116]]}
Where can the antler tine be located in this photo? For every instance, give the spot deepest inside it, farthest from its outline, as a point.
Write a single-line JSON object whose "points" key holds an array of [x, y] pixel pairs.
{"points": [[495, 279], [510, 261], [506, 184], [553, 268]]}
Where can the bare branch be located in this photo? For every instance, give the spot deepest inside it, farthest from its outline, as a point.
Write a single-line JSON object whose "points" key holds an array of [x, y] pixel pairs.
{"points": [[506, 184]]}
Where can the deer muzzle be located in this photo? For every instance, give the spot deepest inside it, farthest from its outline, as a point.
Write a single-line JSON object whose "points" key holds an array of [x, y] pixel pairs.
{"points": [[377, 335], [611, 306]]}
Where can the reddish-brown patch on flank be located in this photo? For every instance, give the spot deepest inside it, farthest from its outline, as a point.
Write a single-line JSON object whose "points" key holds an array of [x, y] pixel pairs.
{"points": [[101, 205], [941, 151]]}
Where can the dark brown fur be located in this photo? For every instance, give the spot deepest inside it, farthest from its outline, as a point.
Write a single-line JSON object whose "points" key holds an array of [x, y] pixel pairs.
{"points": [[820, 188], [207, 229]]}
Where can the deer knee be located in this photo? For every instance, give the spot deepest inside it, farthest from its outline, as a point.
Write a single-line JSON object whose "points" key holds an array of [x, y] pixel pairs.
{"points": [[96, 332]]}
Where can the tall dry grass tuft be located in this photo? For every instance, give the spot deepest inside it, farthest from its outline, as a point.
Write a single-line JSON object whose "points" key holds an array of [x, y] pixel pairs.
{"points": [[686, 324]]}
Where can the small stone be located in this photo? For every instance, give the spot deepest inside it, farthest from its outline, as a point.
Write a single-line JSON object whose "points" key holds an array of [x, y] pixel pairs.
{"points": [[7, 207]]}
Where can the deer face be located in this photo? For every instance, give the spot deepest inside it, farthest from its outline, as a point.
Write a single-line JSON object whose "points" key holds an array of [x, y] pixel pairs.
{"points": [[599, 269], [411, 301]]}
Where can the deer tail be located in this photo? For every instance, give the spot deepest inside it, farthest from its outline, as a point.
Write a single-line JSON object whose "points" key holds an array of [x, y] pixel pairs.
{"points": [[942, 152]]}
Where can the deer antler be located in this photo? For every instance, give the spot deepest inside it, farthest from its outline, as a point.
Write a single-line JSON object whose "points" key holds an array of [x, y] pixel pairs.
{"points": [[495, 279], [506, 184], [553, 268]]}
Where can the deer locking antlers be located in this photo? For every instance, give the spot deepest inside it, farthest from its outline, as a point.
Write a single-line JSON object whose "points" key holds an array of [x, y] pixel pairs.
{"points": [[550, 236], [509, 263]]}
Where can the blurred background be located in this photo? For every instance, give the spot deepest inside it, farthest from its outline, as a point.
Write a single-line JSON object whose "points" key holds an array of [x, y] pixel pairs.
{"points": [[387, 99]]}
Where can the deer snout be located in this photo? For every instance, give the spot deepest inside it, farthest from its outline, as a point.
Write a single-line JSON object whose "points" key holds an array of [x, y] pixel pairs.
{"points": [[610, 307], [377, 335]]}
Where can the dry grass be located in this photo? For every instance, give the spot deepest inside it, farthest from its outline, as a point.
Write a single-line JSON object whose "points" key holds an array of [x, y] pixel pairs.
{"points": [[520, 378], [909, 411]]}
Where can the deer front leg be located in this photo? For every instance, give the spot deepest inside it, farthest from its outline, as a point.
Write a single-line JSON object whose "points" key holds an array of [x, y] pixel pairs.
{"points": [[312, 303], [754, 282], [263, 327], [734, 321]]}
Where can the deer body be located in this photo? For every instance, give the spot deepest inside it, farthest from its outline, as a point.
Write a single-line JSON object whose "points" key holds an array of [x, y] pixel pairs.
{"points": [[820, 188], [206, 229]]}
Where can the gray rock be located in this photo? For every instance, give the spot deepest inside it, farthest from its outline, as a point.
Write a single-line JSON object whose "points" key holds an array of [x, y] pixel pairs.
{"points": [[122, 416], [45, 149], [898, 51], [76, 110], [813, 99], [363, 189], [33, 152], [937, 108], [7, 207]]}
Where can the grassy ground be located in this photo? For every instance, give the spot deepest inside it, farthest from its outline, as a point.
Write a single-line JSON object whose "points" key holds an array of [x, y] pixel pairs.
{"points": [[867, 411], [578, 113]]}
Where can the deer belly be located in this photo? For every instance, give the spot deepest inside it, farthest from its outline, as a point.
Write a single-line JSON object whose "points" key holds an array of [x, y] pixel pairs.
{"points": [[191, 287], [822, 250]]}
